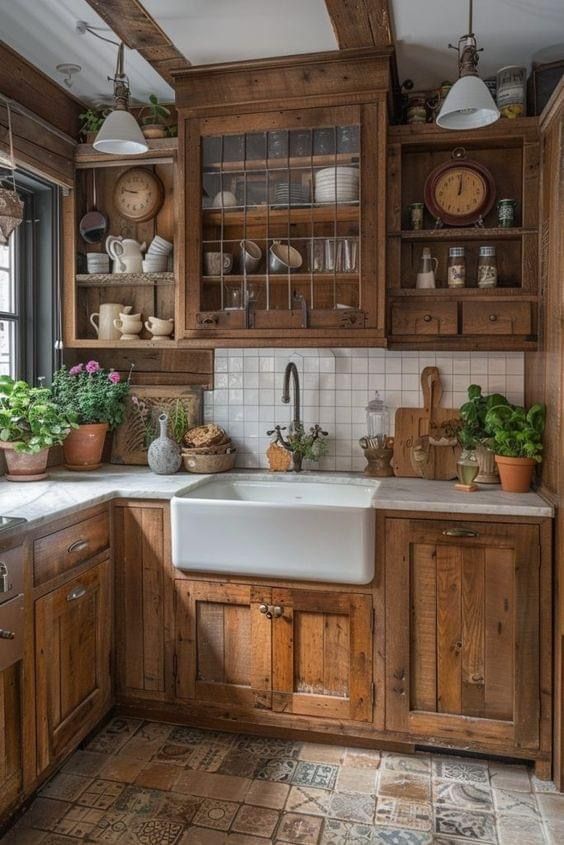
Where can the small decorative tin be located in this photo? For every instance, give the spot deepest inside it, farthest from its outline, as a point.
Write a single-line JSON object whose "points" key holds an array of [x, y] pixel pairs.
{"points": [[487, 267], [506, 213], [512, 91], [416, 215], [456, 267]]}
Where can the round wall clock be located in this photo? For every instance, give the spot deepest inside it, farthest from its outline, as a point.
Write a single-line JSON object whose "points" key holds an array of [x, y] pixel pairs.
{"points": [[138, 194], [460, 192]]}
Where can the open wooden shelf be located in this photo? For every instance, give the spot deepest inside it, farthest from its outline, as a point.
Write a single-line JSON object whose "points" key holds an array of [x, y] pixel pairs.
{"points": [[463, 293], [159, 148], [295, 162], [343, 213], [98, 280], [474, 233], [142, 343]]}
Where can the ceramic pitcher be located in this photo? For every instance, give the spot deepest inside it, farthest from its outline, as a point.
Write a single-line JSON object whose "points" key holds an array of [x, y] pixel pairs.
{"points": [[164, 456], [426, 270], [103, 320], [127, 254]]}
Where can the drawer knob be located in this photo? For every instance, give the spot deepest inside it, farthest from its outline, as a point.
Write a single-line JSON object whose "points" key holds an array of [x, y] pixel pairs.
{"points": [[77, 546], [7, 635], [460, 532], [76, 593], [427, 318], [5, 585], [493, 318]]}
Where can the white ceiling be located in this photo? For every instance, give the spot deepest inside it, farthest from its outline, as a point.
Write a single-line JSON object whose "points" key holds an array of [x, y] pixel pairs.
{"points": [[511, 32]]}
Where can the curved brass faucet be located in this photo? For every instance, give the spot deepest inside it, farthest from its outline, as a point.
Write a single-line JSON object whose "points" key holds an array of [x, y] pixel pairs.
{"points": [[292, 371]]}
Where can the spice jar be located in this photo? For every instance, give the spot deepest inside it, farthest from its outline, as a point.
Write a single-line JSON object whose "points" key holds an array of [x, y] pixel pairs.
{"points": [[456, 267], [487, 267], [416, 215]]}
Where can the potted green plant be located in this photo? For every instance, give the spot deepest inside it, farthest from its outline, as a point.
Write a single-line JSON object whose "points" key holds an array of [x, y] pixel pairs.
{"points": [[153, 124], [95, 398], [517, 443], [91, 122], [30, 423], [474, 433], [306, 445]]}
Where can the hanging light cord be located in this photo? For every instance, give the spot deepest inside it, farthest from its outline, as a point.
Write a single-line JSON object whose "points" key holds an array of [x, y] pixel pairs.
{"points": [[84, 27]]}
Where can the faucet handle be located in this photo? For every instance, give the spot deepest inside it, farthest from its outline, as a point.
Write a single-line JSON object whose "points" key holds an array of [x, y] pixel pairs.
{"points": [[316, 430], [276, 429]]}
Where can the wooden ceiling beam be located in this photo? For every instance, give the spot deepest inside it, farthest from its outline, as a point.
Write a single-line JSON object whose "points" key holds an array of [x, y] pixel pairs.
{"points": [[139, 31], [361, 23]]}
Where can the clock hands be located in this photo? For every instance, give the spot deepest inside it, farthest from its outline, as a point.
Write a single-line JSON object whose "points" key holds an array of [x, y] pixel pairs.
{"points": [[460, 184], [129, 191]]}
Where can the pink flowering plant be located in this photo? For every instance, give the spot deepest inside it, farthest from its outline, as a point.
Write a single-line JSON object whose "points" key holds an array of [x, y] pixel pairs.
{"points": [[90, 394]]}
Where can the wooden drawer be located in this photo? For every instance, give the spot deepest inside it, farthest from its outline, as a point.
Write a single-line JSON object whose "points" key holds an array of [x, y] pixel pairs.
{"points": [[508, 318], [424, 317], [60, 551]]}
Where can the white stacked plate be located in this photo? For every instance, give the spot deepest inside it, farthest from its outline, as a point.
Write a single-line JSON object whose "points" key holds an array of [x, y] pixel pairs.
{"points": [[337, 184], [290, 194]]}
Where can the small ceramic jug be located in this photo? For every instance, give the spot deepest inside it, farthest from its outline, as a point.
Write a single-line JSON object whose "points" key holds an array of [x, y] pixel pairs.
{"points": [[427, 269], [164, 456], [129, 325], [126, 254], [158, 327], [103, 320]]}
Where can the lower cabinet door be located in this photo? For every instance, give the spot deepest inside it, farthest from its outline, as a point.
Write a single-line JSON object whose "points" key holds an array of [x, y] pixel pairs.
{"points": [[10, 735], [223, 644], [322, 654], [462, 631], [72, 644]]}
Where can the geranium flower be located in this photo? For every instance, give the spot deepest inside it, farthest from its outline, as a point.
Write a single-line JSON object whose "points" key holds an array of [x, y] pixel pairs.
{"points": [[76, 370], [92, 367], [114, 377]]}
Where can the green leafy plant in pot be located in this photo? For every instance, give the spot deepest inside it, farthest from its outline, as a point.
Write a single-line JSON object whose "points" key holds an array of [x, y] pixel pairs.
{"points": [[91, 122], [153, 124], [95, 398], [474, 433], [30, 423], [517, 442]]}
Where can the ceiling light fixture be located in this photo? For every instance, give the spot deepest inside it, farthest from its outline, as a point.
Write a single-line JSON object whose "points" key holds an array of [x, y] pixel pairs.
{"points": [[469, 104], [120, 134], [68, 69]]}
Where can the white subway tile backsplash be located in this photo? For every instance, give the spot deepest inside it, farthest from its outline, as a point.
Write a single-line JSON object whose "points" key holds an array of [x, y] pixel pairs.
{"points": [[336, 386]]}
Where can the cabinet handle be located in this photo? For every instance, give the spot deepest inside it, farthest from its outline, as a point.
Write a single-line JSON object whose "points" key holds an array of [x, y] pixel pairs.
{"points": [[460, 532], [271, 611], [76, 593], [7, 635], [427, 318], [77, 546], [277, 611], [493, 318]]}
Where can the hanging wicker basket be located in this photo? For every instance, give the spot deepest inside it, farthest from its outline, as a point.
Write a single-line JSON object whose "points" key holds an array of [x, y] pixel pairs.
{"points": [[11, 213]]}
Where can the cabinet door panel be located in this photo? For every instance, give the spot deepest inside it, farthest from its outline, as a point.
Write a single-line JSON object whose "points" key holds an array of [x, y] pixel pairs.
{"points": [[223, 644], [73, 635], [462, 630], [322, 654], [10, 735]]}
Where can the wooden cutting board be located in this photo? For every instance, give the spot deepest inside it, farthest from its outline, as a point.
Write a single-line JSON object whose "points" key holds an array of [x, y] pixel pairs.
{"points": [[412, 427]]}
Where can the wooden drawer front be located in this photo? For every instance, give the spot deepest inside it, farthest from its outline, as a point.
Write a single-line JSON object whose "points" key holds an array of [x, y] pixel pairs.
{"points": [[496, 318], [60, 551], [417, 318], [11, 573]]}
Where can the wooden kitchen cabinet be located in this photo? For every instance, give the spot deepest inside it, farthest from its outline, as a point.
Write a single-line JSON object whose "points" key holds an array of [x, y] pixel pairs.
{"points": [[296, 651], [143, 619], [465, 644], [72, 661], [11, 763]]}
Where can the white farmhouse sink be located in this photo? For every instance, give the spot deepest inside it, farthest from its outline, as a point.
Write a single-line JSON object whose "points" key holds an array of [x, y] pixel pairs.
{"points": [[306, 530]]}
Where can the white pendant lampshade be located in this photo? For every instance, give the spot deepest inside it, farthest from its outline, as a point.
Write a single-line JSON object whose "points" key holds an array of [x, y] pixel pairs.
{"points": [[468, 105], [120, 134]]}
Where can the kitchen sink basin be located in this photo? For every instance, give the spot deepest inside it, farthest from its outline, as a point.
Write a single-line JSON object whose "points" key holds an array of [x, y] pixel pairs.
{"points": [[286, 528]]}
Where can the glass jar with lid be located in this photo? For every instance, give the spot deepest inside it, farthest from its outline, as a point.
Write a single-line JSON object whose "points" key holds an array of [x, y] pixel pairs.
{"points": [[456, 267], [487, 267], [378, 420]]}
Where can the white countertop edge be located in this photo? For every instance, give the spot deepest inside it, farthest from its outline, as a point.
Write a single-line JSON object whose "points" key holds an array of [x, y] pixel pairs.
{"points": [[64, 492]]}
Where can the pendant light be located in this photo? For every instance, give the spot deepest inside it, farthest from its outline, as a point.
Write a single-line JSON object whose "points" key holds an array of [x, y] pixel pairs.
{"points": [[120, 134], [469, 104]]}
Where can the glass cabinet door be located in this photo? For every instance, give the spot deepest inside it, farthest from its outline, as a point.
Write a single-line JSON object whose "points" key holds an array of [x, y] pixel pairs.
{"points": [[281, 230]]}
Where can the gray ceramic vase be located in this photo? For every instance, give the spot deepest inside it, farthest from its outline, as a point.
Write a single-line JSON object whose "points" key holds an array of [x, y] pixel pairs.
{"points": [[164, 456]]}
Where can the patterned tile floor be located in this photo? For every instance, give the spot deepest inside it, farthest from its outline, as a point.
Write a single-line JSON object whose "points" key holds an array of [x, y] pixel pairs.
{"points": [[143, 783]]}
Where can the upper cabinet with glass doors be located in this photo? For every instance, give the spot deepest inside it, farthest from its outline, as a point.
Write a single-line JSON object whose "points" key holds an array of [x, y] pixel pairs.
{"points": [[284, 222]]}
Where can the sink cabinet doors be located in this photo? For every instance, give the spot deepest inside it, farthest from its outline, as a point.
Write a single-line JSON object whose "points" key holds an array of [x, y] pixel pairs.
{"points": [[463, 643], [72, 660], [295, 651]]}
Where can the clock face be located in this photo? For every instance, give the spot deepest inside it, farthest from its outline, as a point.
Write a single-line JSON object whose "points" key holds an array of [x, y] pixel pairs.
{"points": [[138, 194], [460, 193]]}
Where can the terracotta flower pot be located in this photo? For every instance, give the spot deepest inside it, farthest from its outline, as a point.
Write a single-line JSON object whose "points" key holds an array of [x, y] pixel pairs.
{"points": [[23, 466], [83, 447], [154, 130], [515, 474]]}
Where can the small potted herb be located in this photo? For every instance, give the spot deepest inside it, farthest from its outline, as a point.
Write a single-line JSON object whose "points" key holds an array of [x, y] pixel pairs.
{"points": [[474, 433], [153, 125], [517, 443], [30, 423], [95, 397], [306, 445], [91, 122]]}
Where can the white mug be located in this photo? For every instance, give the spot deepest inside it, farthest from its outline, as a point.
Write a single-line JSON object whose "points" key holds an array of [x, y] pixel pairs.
{"points": [[104, 326]]}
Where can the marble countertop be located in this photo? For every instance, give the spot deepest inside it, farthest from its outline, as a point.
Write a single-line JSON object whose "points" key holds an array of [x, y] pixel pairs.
{"points": [[65, 492]]}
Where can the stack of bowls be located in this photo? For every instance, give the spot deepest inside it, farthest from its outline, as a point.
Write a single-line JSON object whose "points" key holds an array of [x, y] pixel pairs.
{"points": [[290, 193], [337, 184], [157, 256], [98, 262]]}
